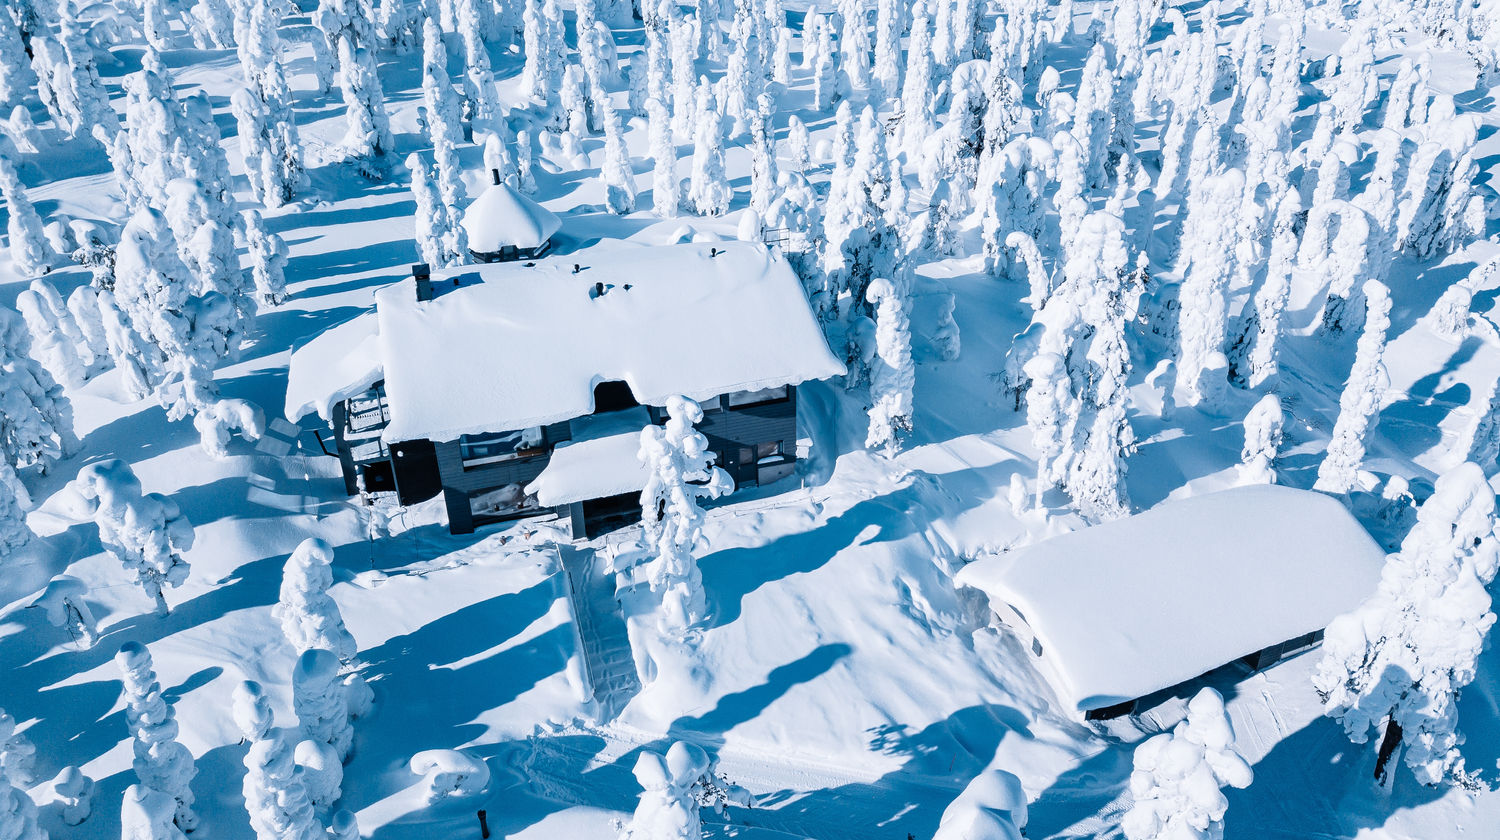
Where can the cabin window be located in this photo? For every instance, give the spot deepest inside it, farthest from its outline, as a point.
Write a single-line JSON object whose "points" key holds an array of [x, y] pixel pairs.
{"points": [[478, 450], [770, 453], [742, 399], [1036, 647], [711, 404]]}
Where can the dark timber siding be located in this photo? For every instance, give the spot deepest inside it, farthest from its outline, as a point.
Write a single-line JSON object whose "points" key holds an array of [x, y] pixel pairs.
{"points": [[729, 429], [460, 483]]}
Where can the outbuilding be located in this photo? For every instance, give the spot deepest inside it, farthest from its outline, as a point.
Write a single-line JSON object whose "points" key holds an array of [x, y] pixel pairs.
{"points": [[502, 224], [1124, 610]]}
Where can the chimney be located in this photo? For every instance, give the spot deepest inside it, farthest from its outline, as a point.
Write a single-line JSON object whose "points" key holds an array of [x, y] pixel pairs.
{"points": [[598, 290], [423, 275], [495, 176]]}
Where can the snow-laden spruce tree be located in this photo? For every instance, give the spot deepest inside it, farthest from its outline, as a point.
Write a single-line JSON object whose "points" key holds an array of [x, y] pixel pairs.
{"points": [[666, 188], [444, 117], [1253, 356], [28, 245], [1402, 657], [708, 190], [75, 793], [147, 814], [273, 155], [268, 255], [438, 236], [17, 753], [146, 533], [37, 430], [1178, 776], [322, 772], [275, 795], [17, 78], [86, 103], [1262, 440], [763, 173], [618, 175], [220, 420], [17, 811], [15, 500], [1207, 265], [161, 763], [368, 138], [320, 701], [1051, 414], [680, 471], [57, 342], [670, 787], [1359, 404], [892, 373], [309, 617]]}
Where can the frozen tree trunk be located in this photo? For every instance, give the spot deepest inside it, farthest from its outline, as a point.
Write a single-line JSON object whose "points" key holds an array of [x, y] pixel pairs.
{"points": [[1403, 656], [161, 763], [1360, 402]]}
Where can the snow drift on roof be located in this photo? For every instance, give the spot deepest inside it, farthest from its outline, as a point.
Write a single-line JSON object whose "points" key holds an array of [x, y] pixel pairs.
{"points": [[518, 345], [1140, 604], [500, 216], [602, 460], [338, 363]]}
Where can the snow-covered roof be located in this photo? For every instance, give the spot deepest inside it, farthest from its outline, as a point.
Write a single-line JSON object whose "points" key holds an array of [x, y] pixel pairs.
{"points": [[500, 216], [1133, 606], [602, 460], [516, 345], [338, 363]]}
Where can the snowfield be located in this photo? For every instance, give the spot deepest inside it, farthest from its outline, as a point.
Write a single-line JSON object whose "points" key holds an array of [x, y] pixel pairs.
{"points": [[845, 680]]}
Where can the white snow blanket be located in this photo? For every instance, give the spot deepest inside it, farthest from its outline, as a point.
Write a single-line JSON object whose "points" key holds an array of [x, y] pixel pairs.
{"points": [[602, 460], [515, 345], [500, 216], [341, 362], [1133, 606]]}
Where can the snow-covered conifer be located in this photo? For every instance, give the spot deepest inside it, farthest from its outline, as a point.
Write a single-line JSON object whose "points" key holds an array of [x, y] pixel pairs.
{"points": [[665, 186], [217, 421], [273, 150], [275, 794], [1403, 656], [762, 154], [38, 427], [368, 139], [147, 814], [1262, 440], [918, 122], [28, 245], [1253, 357], [14, 502], [17, 753], [825, 70], [1359, 404], [64, 603], [891, 372], [670, 787], [16, 75], [1051, 414], [618, 174], [146, 533], [309, 617], [82, 98], [268, 255], [321, 770], [161, 763], [708, 190], [680, 471], [1177, 779], [75, 792], [1208, 266], [433, 233], [319, 698], [56, 340]]}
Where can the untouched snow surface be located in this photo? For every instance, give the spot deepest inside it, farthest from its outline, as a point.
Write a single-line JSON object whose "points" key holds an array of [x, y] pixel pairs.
{"points": [[1133, 606]]}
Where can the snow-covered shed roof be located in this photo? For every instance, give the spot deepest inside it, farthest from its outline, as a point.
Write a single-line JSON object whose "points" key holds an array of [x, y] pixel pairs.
{"points": [[1130, 607], [505, 346], [602, 460], [500, 216], [338, 363]]}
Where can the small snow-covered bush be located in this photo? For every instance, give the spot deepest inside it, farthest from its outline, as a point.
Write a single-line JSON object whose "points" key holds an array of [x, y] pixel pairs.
{"points": [[1178, 776], [1262, 440], [146, 532], [147, 814], [76, 792], [991, 807], [17, 753], [450, 773], [64, 604]]}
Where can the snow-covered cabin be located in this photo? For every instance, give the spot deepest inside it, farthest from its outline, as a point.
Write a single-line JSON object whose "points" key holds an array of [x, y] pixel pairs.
{"points": [[502, 224], [1124, 610], [520, 388]]}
